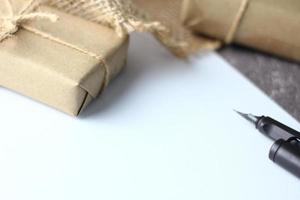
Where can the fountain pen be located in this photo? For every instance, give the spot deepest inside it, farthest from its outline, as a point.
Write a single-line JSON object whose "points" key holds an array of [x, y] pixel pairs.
{"points": [[286, 150]]}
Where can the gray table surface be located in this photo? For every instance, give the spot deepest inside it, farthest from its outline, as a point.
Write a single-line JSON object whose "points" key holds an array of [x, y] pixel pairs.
{"points": [[278, 78]]}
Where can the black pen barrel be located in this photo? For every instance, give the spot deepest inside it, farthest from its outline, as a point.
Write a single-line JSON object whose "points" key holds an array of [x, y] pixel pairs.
{"points": [[287, 155], [275, 130]]}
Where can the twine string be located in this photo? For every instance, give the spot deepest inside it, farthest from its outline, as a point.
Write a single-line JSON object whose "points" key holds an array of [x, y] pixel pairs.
{"points": [[236, 22]]}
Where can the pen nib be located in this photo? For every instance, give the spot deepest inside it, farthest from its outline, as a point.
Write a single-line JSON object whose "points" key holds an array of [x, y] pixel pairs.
{"points": [[251, 118]]}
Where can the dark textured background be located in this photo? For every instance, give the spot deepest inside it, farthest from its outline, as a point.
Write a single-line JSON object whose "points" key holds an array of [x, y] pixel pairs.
{"points": [[278, 78]]}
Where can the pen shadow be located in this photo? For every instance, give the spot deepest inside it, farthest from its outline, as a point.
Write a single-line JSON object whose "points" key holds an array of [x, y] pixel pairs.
{"points": [[146, 57]]}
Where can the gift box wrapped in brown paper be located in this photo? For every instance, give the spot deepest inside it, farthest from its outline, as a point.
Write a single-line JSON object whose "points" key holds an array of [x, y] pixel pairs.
{"points": [[272, 26], [64, 64]]}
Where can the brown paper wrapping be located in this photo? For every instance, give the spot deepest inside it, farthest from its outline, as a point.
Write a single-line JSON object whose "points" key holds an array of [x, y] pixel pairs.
{"points": [[272, 26], [58, 75]]}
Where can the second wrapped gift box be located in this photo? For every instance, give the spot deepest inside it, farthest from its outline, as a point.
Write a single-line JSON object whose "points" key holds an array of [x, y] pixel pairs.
{"points": [[272, 26]]}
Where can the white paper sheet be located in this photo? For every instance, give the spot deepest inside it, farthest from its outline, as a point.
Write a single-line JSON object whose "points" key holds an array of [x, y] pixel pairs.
{"points": [[165, 129]]}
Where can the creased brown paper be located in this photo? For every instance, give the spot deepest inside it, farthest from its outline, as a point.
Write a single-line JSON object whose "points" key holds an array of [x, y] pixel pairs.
{"points": [[272, 26], [56, 74]]}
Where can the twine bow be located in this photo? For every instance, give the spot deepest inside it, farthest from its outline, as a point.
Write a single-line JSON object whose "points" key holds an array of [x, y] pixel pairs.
{"points": [[10, 25]]}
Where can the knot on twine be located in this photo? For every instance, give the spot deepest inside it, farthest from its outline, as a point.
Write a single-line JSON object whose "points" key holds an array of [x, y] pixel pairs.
{"points": [[7, 28], [10, 25]]}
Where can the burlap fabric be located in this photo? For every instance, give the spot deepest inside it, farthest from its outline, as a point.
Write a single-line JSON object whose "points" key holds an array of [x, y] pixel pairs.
{"points": [[121, 15], [161, 18], [168, 12]]}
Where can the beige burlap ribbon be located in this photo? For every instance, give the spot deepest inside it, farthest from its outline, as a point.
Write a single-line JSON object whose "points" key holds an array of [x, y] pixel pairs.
{"points": [[124, 17], [170, 12], [121, 15]]}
